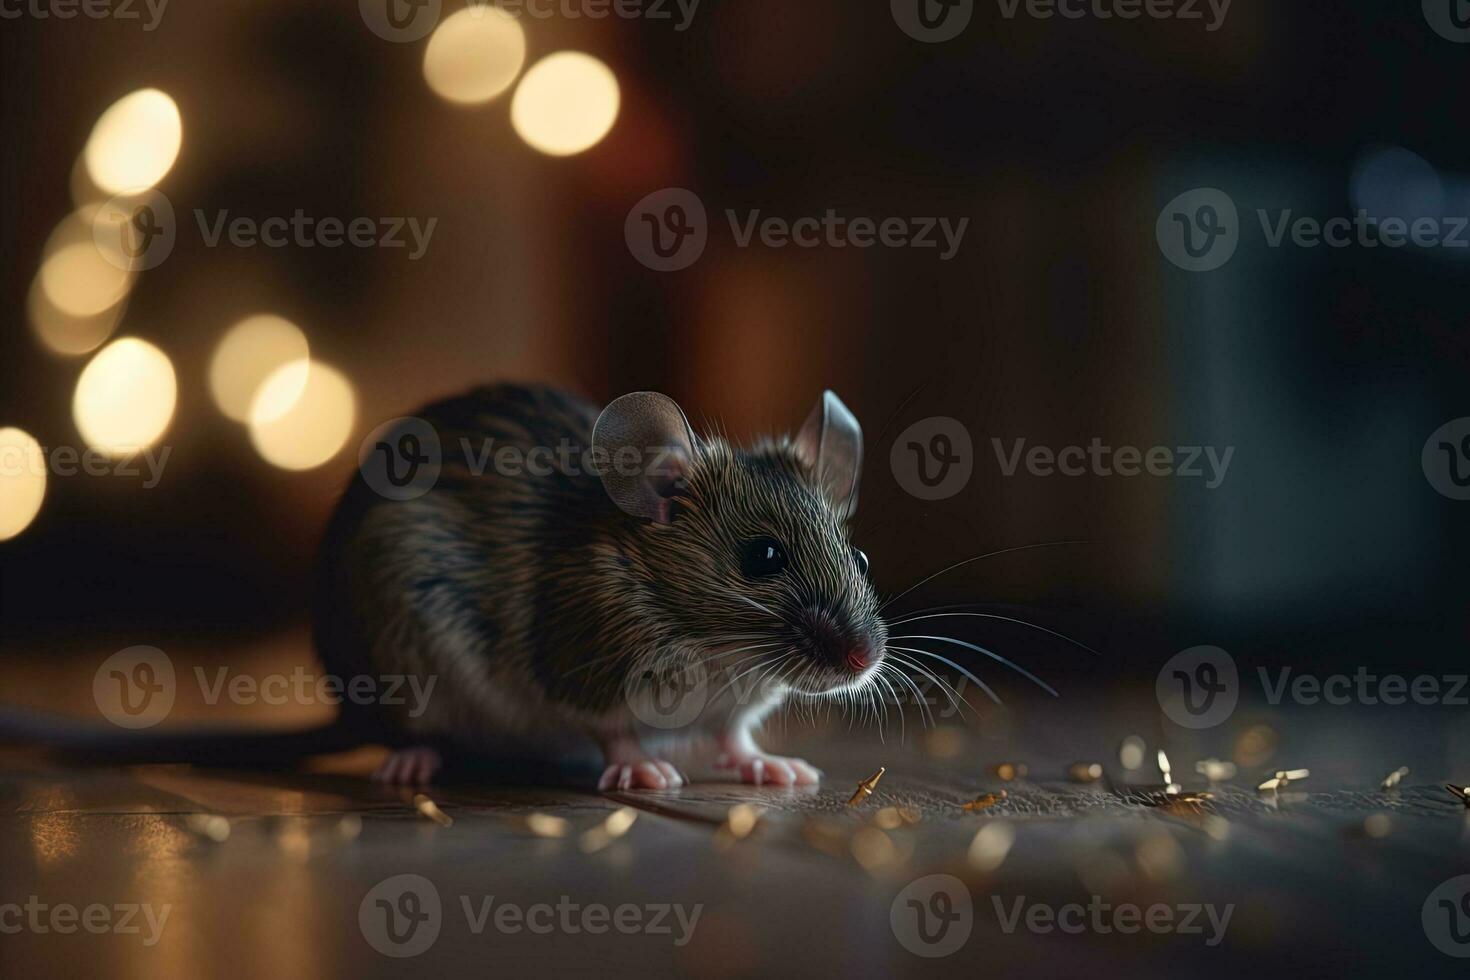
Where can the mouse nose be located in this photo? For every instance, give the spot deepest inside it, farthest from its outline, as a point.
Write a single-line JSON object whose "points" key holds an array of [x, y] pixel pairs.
{"points": [[861, 656]]}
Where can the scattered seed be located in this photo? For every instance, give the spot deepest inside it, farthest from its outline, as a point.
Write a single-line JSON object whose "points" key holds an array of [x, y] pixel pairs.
{"points": [[866, 787], [428, 809], [1011, 770], [985, 802], [1283, 778]]}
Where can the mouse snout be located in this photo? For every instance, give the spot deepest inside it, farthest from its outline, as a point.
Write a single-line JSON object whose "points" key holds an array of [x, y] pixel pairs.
{"points": [[842, 647]]}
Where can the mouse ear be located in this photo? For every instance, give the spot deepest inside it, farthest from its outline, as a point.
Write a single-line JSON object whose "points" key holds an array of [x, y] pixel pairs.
{"points": [[644, 447], [831, 443]]}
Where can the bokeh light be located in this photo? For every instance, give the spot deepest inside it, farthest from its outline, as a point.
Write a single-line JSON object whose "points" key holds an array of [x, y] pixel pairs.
{"points": [[125, 397], [475, 54], [249, 353], [22, 481], [78, 279], [302, 415], [80, 282], [66, 334], [566, 103], [135, 142]]}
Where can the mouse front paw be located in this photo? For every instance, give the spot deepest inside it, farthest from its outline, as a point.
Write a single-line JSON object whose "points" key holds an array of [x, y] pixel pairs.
{"points": [[629, 767], [759, 769], [647, 774]]}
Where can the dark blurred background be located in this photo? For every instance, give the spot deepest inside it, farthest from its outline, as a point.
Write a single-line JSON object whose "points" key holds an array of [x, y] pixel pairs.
{"points": [[1059, 320]]}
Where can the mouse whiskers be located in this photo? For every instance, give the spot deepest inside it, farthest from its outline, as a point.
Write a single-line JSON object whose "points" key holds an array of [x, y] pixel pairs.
{"points": [[941, 613], [967, 561], [978, 649]]}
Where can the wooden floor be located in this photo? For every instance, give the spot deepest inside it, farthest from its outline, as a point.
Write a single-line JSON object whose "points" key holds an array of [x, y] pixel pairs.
{"points": [[1328, 878]]}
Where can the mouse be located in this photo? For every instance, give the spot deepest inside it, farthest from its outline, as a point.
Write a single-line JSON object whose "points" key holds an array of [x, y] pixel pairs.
{"points": [[578, 589], [559, 600]]}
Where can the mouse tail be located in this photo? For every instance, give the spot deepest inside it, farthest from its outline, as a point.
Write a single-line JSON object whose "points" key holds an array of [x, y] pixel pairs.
{"points": [[97, 744]]}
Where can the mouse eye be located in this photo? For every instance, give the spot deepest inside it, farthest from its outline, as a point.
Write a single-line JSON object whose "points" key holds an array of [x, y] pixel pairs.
{"points": [[862, 561], [760, 557]]}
